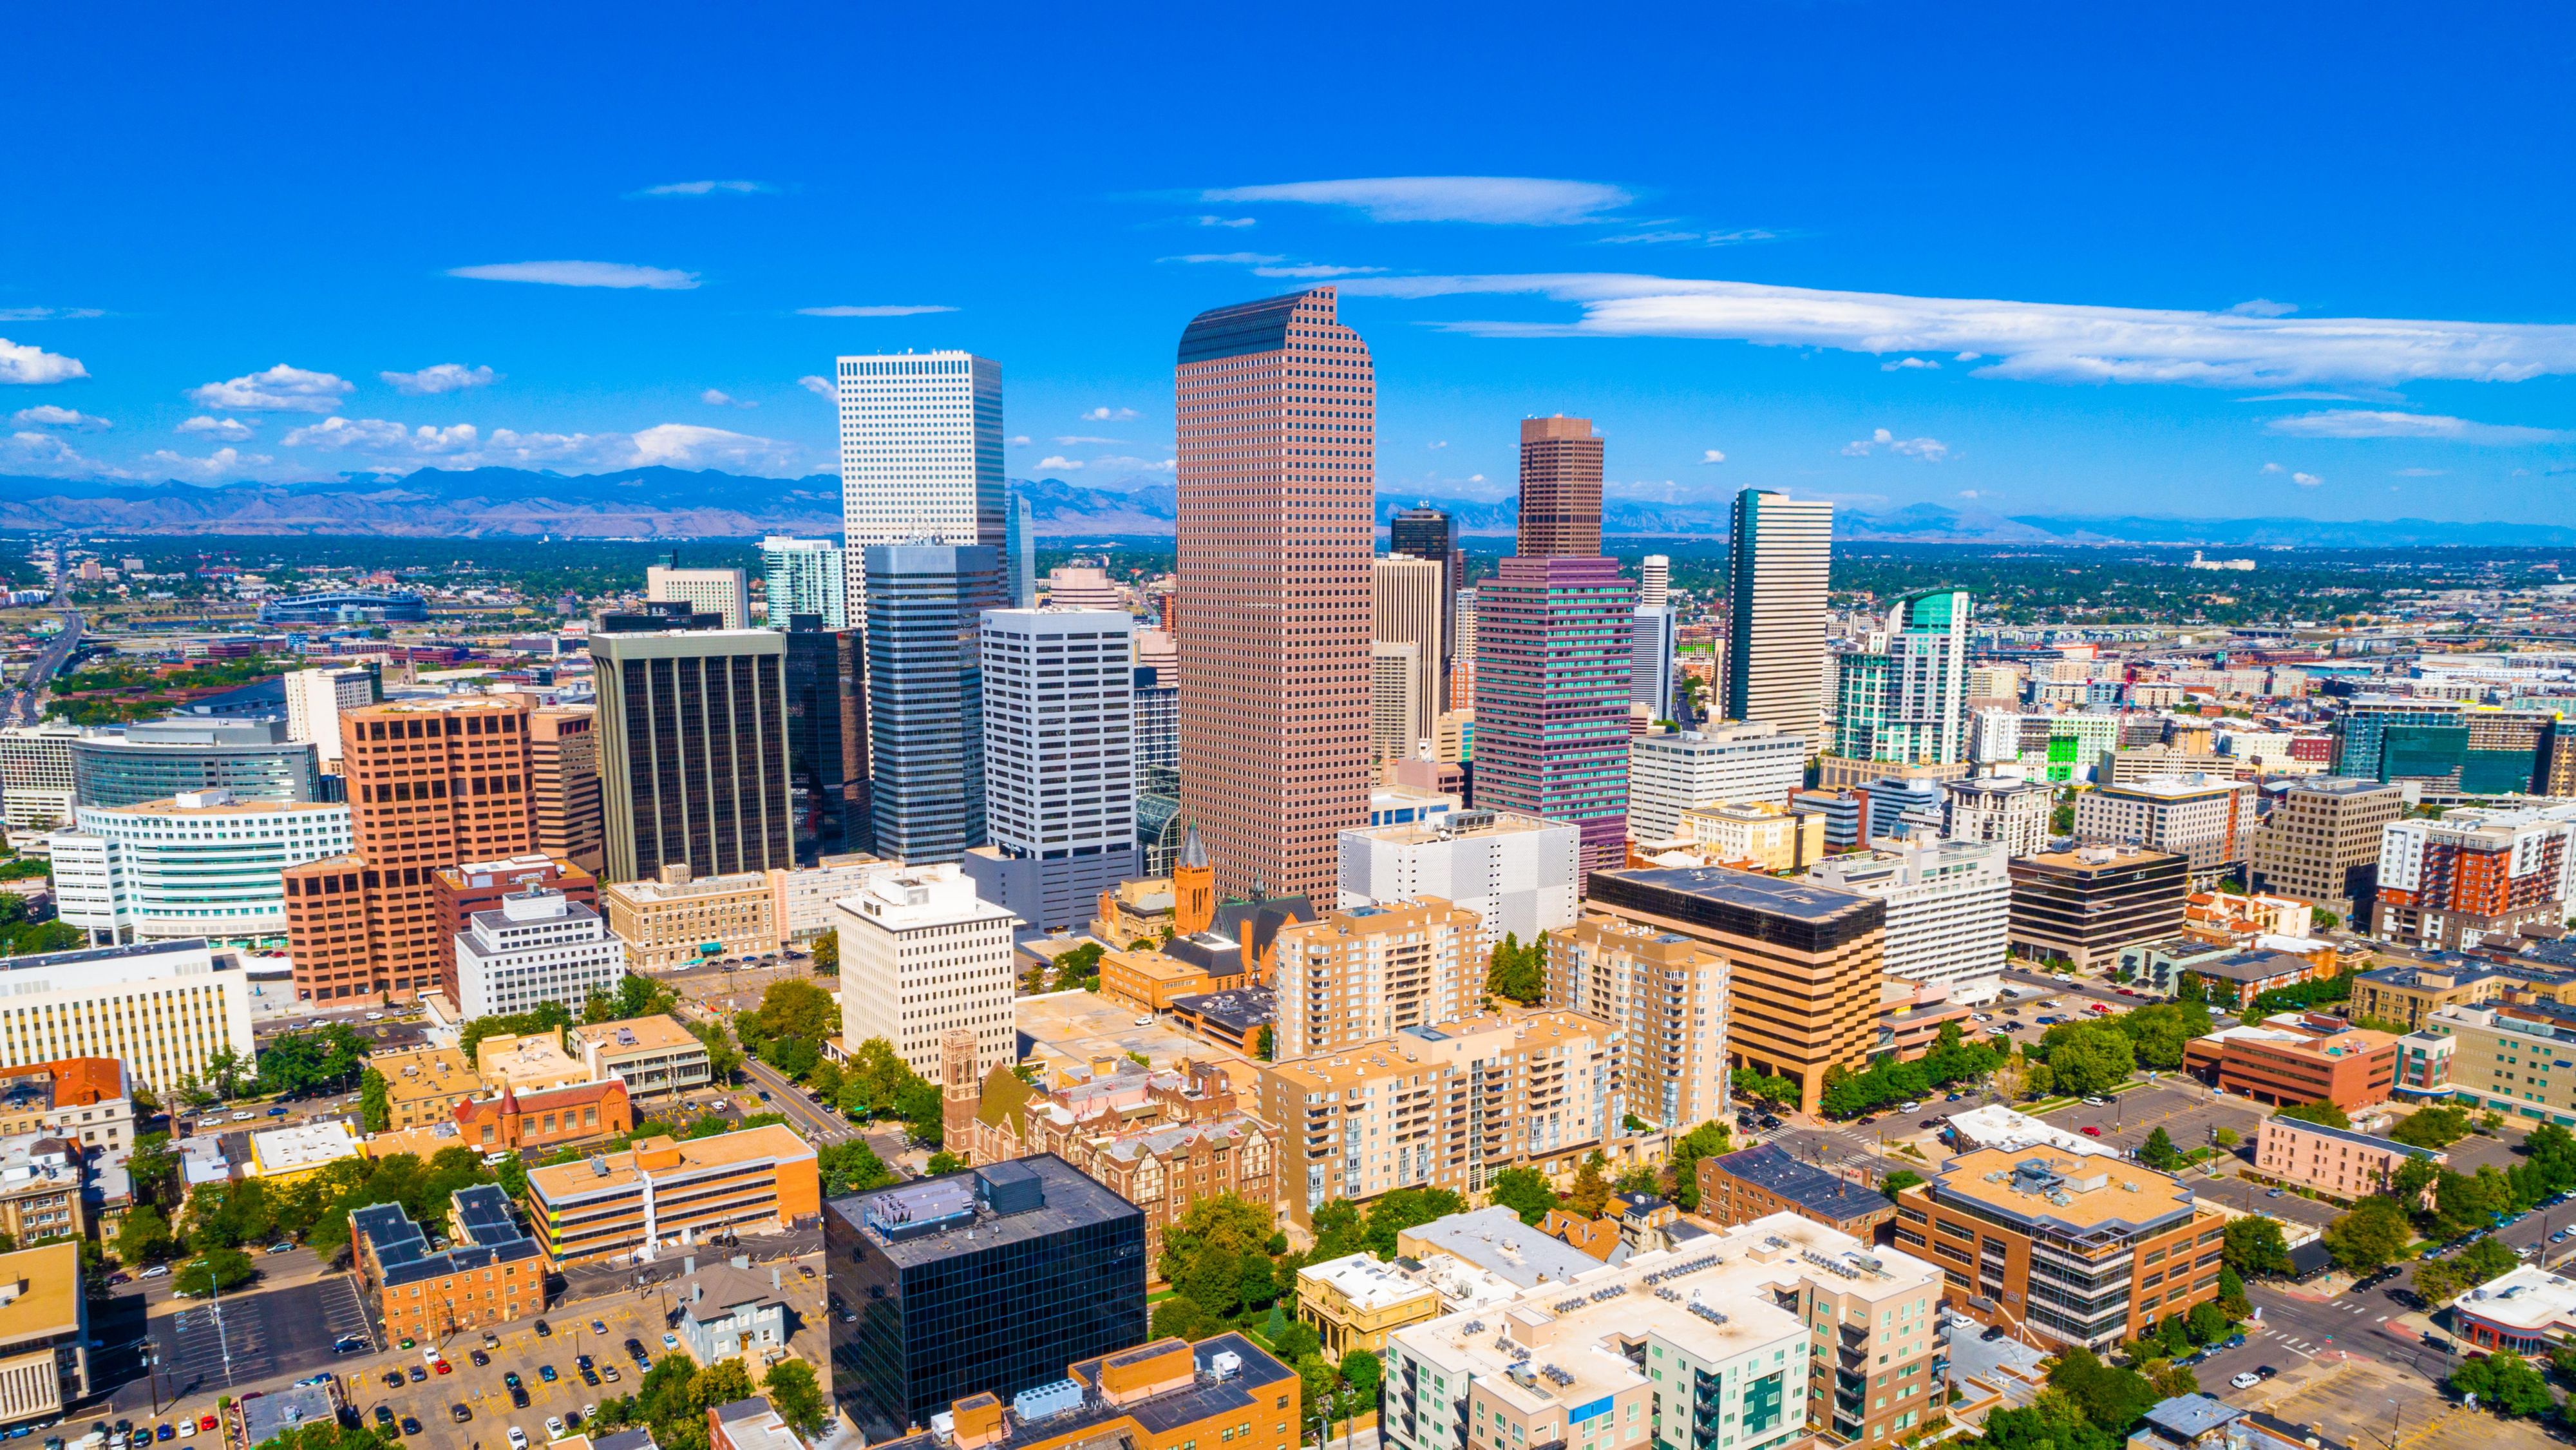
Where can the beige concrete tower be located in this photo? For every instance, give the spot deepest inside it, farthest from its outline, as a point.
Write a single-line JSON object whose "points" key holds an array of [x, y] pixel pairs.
{"points": [[1409, 602]]}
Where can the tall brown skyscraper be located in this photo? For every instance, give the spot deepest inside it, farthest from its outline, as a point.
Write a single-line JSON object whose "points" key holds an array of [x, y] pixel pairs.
{"points": [[1276, 419], [1560, 510], [563, 756]]}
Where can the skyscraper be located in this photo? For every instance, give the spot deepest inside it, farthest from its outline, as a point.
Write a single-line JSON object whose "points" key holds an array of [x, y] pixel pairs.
{"points": [[924, 606], [1410, 609], [1425, 532], [1909, 701], [1560, 505], [563, 763], [827, 741], [1552, 696], [921, 452], [1395, 695], [1059, 767], [1778, 563], [805, 576], [724, 593], [1276, 426], [1020, 552], [692, 751], [1650, 661], [1654, 581]]}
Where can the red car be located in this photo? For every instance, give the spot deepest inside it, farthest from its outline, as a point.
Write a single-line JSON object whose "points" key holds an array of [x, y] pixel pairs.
{"points": [[2091, 1132], [442, 1366], [205, 1422]]}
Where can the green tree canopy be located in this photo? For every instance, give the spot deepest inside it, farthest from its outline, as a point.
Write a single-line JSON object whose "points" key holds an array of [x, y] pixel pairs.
{"points": [[1519, 973], [2371, 1236], [1524, 1191], [2256, 1246]]}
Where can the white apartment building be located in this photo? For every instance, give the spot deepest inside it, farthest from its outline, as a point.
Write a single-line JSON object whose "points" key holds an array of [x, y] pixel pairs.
{"points": [[804, 576], [164, 1008], [1668, 773], [801, 900], [1759, 1337], [1780, 562], [36, 792], [1370, 971], [314, 700], [1666, 993], [723, 592], [1517, 873], [2005, 809], [200, 864], [1949, 904], [541, 946], [1059, 761], [921, 453], [922, 955], [2206, 818]]}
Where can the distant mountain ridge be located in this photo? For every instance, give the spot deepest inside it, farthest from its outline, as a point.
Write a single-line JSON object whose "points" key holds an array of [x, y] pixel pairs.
{"points": [[657, 503]]}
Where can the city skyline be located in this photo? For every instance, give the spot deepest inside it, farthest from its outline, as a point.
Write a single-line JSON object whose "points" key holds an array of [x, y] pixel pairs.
{"points": [[2216, 312]]}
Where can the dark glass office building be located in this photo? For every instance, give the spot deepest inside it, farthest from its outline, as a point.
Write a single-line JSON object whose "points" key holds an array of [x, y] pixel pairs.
{"points": [[827, 742], [1428, 533], [925, 682], [693, 751], [986, 1281]]}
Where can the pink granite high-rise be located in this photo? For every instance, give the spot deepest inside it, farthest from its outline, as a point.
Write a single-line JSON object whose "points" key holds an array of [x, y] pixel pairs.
{"points": [[1276, 417]]}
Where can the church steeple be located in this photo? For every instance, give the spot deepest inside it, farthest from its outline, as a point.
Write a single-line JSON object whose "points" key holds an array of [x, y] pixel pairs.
{"points": [[1193, 888]]}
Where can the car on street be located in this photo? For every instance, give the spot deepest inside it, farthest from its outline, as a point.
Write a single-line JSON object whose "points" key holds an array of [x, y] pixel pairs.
{"points": [[282, 1246], [460, 1412], [2245, 1381], [2559, 1237], [2264, 1371], [1909, 1107], [2094, 1102], [348, 1344], [277, 1112], [2272, 1193], [157, 1271]]}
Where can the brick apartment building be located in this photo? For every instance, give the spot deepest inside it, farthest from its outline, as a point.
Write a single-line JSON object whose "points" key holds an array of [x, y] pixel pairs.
{"points": [[491, 1273], [546, 1117]]}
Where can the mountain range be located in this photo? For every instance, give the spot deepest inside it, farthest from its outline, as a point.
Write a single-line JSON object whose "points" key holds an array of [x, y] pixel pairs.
{"points": [[659, 503]]}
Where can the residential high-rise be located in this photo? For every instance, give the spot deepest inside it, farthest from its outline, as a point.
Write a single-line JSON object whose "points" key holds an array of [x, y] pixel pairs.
{"points": [[563, 764], [2373, 735], [2007, 810], [921, 454], [1560, 496], [1667, 994], [1411, 608], [154, 760], [1654, 581], [1672, 772], [924, 604], [2475, 875], [36, 790], [1463, 634], [314, 700], [198, 865], [2202, 817], [724, 593], [693, 751], [921, 956], [1395, 693], [1368, 972], [431, 783], [1949, 905], [2320, 842], [1907, 702], [1424, 532], [1552, 696], [1779, 562], [1517, 873], [827, 739], [1276, 406], [1059, 768], [1650, 660], [804, 576]]}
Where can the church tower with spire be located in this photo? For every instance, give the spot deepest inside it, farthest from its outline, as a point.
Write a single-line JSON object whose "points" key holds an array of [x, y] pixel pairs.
{"points": [[1193, 888]]}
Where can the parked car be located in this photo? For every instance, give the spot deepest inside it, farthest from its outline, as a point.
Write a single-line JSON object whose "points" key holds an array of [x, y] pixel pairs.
{"points": [[410, 1426], [554, 1427], [2092, 1132], [282, 1246], [384, 1415], [479, 1357], [518, 1438], [2245, 1381], [157, 1271], [2094, 1102], [1909, 1107], [510, 1379], [349, 1344], [459, 1412], [545, 1330], [598, 1327], [546, 1372], [419, 1373]]}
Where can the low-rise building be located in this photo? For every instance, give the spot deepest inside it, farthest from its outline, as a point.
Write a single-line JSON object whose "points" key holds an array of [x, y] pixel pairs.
{"points": [[2505, 1057], [2298, 1059], [85, 1099], [739, 1425], [1755, 1183], [674, 918], [541, 946], [1997, 1126], [1519, 874], [1762, 835], [530, 1064], [2225, 916], [1495, 1241], [801, 900], [649, 1197], [40, 1188], [511, 1120], [1355, 1302], [423, 1086], [2336, 1162], [2528, 1310], [1151, 978], [2409, 992], [2197, 1422], [744, 1317], [490, 1273], [44, 1332], [1166, 1395], [654, 1056], [288, 1155], [2244, 976]]}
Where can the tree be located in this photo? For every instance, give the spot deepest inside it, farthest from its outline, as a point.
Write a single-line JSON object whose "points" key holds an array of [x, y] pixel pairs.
{"points": [[1264, 1043], [2256, 1246], [2207, 1323], [2158, 1031], [1361, 1375], [851, 1167], [212, 1270], [1524, 1191], [1591, 1191], [2159, 1152], [329, 1435], [1403, 1208], [1337, 1231], [144, 1237], [2192, 990], [2442, 1280], [2371, 1236], [2112, 1399], [1182, 1317], [1708, 1140], [2326, 1113], [944, 1161], [373, 1102], [795, 1396], [723, 1058], [2432, 1127], [2089, 1057], [1519, 973], [827, 953], [2231, 1296], [2505, 1382], [1897, 1182]]}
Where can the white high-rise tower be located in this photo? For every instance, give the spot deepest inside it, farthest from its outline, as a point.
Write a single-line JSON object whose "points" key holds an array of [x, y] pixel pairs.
{"points": [[921, 453]]}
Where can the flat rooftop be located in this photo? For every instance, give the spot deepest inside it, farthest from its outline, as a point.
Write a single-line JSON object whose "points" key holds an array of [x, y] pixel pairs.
{"points": [[47, 1280], [606, 1172], [932, 1216], [1770, 895], [2077, 1195], [657, 1033], [1772, 1168], [1496, 1241]]}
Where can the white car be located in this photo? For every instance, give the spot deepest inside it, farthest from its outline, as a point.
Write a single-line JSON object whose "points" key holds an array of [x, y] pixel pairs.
{"points": [[157, 1271], [518, 1438], [1909, 1107], [2245, 1381], [187, 1426], [554, 1427]]}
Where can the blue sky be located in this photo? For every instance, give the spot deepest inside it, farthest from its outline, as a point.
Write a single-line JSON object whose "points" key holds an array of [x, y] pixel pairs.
{"points": [[2311, 260]]}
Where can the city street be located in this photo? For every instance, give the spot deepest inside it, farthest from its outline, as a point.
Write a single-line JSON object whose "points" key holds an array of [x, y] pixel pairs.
{"points": [[813, 1122]]}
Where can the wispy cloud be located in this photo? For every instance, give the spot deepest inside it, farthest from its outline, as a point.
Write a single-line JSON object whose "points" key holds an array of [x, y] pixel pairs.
{"points": [[1059, 462], [676, 445], [379, 436], [46, 415], [2261, 307], [581, 274], [1106, 414], [1228, 259], [885, 309], [1905, 364], [1492, 200], [1930, 450], [1312, 270], [2421, 472], [719, 398], [281, 389], [2306, 480], [26, 363], [230, 430], [1225, 221], [2042, 341], [820, 386], [221, 464], [1018, 440], [48, 314], [706, 188], [2366, 423], [1737, 237], [441, 378], [1122, 464], [1077, 440]]}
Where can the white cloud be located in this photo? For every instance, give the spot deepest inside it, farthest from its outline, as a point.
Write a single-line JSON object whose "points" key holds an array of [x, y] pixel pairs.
{"points": [[706, 188], [2273, 468], [2042, 341], [2261, 307], [2306, 480], [222, 463], [32, 452], [1229, 259], [678, 445], [1225, 221], [1496, 200], [1058, 461], [48, 314], [887, 309], [718, 398], [441, 378], [281, 389], [1269, 264], [380, 436], [26, 363], [683, 445], [1079, 440], [1106, 414], [1930, 450], [819, 386], [231, 430], [1905, 363], [1443, 443], [1968, 493], [2367, 423], [581, 274], [2421, 472], [1735, 238], [1123, 464], [1711, 455], [1310, 270], [1018, 440], [46, 415]]}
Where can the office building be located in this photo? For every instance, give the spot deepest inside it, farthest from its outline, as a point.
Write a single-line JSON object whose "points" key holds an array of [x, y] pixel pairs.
{"points": [[36, 780], [1395, 684], [2204, 819], [1439, 1107], [314, 700], [1899, 807], [2078, 908], [1463, 633], [1059, 1267], [679, 917], [1155, 737], [44, 1333], [563, 784], [1560, 489], [1275, 527], [1761, 834], [164, 1009], [1424, 532], [1368, 972], [534, 1063], [1655, 581], [1694, 1346], [923, 955], [926, 789], [804, 576], [1083, 586], [1907, 701], [1517, 873], [2320, 842], [2005, 809], [490, 1273], [2400, 737], [1552, 733], [2075, 1249], [921, 454], [724, 593], [1667, 996], [540, 946], [1412, 608], [1755, 1183], [2504, 1055], [660, 1195], [1019, 550], [200, 865], [1779, 561], [2310, 1059], [1650, 661], [1170, 1392], [2061, 749], [1804, 958], [1949, 905], [693, 751], [1059, 773], [801, 900], [155, 760], [1670, 772], [827, 738], [459, 891], [2408, 994], [430, 783], [2476, 875], [654, 1056]]}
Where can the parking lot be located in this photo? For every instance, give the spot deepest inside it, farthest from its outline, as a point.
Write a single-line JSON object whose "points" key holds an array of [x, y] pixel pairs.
{"points": [[2185, 1109], [242, 1339]]}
